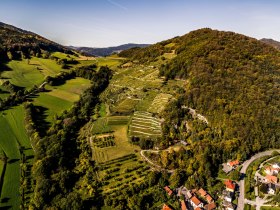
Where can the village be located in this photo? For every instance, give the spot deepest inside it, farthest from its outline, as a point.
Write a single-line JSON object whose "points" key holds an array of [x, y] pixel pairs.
{"points": [[267, 184]]}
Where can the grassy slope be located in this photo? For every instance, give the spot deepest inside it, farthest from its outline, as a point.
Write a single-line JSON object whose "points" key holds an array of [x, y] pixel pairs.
{"points": [[61, 98], [26, 74], [12, 134]]}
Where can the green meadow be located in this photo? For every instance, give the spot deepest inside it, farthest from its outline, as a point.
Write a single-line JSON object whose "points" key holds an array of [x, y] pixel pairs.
{"points": [[12, 137], [60, 98]]}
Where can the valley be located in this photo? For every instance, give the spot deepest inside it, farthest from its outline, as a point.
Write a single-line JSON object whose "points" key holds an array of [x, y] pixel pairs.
{"points": [[135, 130]]}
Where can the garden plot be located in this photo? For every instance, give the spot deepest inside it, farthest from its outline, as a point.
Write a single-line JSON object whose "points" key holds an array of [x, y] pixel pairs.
{"points": [[143, 124], [159, 102]]}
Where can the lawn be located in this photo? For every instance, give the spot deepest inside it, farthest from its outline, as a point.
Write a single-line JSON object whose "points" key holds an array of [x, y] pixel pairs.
{"points": [[269, 208], [12, 135]]}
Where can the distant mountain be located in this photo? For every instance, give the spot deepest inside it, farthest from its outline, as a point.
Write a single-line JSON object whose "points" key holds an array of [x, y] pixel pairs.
{"points": [[107, 50], [271, 42], [16, 42]]}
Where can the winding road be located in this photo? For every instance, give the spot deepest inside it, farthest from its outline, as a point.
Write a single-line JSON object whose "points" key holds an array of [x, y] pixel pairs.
{"points": [[241, 198]]}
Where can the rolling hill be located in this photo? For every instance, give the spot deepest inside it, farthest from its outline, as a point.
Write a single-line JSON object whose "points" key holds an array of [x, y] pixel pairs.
{"points": [[107, 50], [16, 43], [232, 80]]}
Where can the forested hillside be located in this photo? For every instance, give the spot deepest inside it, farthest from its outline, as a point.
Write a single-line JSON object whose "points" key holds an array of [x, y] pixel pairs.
{"points": [[16, 43], [233, 81]]}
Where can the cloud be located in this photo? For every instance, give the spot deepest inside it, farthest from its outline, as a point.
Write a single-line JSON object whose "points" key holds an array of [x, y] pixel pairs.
{"points": [[117, 4]]}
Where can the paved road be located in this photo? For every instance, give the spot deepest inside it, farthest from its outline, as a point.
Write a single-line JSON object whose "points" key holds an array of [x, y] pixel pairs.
{"points": [[241, 197]]}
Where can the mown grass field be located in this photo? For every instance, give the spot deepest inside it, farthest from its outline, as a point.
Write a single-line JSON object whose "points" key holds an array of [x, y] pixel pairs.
{"points": [[12, 135], [60, 98]]}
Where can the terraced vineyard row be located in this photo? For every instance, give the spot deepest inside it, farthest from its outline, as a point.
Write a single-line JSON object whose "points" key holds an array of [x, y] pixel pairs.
{"points": [[143, 124]]}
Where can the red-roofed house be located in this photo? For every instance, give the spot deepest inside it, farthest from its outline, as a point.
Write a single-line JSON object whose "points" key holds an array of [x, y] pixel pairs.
{"points": [[195, 202], [202, 192], [210, 206], [183, 205], [233, 163], [230, 186], [269, 170], [197, 208], [271, 179], [165, 207], [209, 198], [168, 190]]}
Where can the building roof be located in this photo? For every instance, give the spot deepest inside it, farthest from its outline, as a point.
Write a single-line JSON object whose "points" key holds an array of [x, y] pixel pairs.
{"points": [[165, 207], [195, 200], [209, 198], [272, 179], [168, 190], [183, 205], [230, 185], [189, 194], [198, 208], [210, 206], [234, 163], [202, 192]]}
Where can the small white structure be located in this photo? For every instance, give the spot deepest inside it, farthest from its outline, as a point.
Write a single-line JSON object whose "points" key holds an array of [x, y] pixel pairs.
{"points": [[271, 189], [276, 165]]}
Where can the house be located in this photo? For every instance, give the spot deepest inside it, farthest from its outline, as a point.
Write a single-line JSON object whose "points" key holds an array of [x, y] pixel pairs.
{"points": [[168, 190], [166, 207], [271, 189], [210, 206], [209, 198], [198, 208], [233, 163], [271, 179], [183, 205], [230, 186], [202, 192], [195, 202], [227, 196], [228, 205], [270, 170]]}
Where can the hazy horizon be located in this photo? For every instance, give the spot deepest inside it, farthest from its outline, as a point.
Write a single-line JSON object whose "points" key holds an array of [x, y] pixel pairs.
{"points": [[115, 22]]}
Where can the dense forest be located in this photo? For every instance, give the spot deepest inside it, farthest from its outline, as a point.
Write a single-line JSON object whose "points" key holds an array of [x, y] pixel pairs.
{"points": [[233, 81]]}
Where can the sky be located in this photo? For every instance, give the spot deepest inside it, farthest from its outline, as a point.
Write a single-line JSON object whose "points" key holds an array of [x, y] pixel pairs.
{"points": [[103, 23]]}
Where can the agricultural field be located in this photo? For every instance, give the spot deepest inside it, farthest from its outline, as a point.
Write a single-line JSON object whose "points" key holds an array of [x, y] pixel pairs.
{"points": [[159, 103], [13, 139], [59, 98], [119, 173], [121, 146], [3, 92], [108, 61], [30, 72], [143, 124]]}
